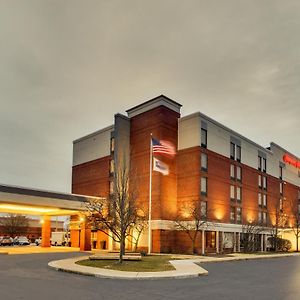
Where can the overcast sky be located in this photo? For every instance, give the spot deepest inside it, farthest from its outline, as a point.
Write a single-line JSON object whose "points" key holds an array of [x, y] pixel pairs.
{"points": [[67, 66]]}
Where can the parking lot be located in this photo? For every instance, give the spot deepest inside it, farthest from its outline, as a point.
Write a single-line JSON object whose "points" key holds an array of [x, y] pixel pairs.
{"points": [[28, 277]]}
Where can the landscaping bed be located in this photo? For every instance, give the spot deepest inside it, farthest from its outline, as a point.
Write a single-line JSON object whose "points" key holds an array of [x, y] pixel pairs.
{"points": [[146, 264]]}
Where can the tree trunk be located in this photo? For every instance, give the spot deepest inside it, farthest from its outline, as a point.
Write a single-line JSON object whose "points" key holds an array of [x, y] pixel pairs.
{"points": [[297, 240], [193, 246], [122, 249]]}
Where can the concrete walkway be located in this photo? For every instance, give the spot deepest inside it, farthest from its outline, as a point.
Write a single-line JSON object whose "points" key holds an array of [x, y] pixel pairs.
{"points": [[186, 266]]}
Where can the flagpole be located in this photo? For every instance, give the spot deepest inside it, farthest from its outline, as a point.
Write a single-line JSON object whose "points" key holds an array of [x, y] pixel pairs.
{"points": [[150, 198]]}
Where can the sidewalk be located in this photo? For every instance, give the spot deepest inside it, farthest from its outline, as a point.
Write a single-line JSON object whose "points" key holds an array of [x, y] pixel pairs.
{"points": [[187, 266]]}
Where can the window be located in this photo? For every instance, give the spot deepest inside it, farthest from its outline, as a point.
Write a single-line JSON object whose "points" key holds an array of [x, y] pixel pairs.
{"points": [[259, 200], [264, 219], [232, 175], [264, 182], [203, 186], [203, 161], [264, 202], [281, 204], [238, 214], [259, 163], [203, 209], [238, 193], [238, 153], [111, 187], [299, 208], [280, 172], [298, 194], [203, 138], [112, 166], [259, 181], [232, 150], [259, 216], [232, 213], [235, 152], [264, 169], [238, 173], [232, 192], [112, 144], [281, 188]]}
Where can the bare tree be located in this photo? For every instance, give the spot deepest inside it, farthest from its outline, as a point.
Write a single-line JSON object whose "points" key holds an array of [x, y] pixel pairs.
{"points": [[117, 214], [192, 219], [295, 214], [250, 235], [280, 220], [14, 224]]}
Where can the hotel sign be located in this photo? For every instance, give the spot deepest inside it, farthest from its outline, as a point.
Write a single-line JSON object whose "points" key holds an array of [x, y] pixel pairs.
{"points": [[288, 159]]}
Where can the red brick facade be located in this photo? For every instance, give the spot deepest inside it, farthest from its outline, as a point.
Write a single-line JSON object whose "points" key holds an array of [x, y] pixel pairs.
{"points": [[182, 186]]}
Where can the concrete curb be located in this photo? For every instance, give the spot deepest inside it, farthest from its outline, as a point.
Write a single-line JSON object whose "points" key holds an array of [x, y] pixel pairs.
{"points": [[184, 269]]}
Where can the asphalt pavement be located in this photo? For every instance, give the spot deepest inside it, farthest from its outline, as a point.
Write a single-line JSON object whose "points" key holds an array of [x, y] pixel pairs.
{"points": [[28, 277]]}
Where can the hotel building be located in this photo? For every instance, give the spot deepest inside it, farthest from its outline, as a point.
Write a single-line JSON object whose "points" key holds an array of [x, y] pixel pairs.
{"points": [[237, 181]]}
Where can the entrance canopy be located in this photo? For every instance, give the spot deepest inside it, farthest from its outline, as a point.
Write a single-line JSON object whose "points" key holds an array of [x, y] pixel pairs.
{"points": [[22, 200]]}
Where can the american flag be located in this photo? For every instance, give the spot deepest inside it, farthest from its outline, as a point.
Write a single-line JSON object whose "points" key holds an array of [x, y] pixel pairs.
{"points": [[163, 147]]}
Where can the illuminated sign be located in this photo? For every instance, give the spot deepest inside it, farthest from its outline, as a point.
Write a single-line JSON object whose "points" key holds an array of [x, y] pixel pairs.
{"points": [[288, 159]]}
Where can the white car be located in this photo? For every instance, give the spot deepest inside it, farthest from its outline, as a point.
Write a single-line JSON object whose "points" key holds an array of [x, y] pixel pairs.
{"points": [[23, 240]]}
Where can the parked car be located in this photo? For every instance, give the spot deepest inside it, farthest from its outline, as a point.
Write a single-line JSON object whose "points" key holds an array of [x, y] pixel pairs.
{"points": [[38, 241], [6, 241], [22, 240]]}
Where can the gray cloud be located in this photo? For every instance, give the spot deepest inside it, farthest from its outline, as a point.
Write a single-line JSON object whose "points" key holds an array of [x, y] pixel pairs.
{"points": [[68, 66]]}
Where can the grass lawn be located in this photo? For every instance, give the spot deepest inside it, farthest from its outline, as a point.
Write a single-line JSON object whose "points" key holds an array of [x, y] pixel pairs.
{"points": [[147, 264]]}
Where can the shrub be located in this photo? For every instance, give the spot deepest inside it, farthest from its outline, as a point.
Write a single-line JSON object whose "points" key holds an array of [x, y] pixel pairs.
{"points": [[282, 244]]}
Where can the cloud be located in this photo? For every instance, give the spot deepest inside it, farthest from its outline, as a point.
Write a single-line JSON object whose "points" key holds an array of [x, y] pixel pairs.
{"points": [[68, 66]]}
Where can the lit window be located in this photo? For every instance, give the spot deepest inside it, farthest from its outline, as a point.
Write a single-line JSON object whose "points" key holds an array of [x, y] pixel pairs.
{"points": [[238, 193], [112, 166], [239, 214], [232, 213], [111, 187], [203, 161], [112, 144]]}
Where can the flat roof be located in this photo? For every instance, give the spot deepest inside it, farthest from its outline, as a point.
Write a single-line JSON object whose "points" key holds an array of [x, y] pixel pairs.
{"points": [[11, 189]]}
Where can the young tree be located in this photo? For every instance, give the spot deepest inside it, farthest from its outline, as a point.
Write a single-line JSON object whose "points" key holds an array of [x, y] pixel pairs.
{"points": [[192, 219], [117, 214], [14, 224]]}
